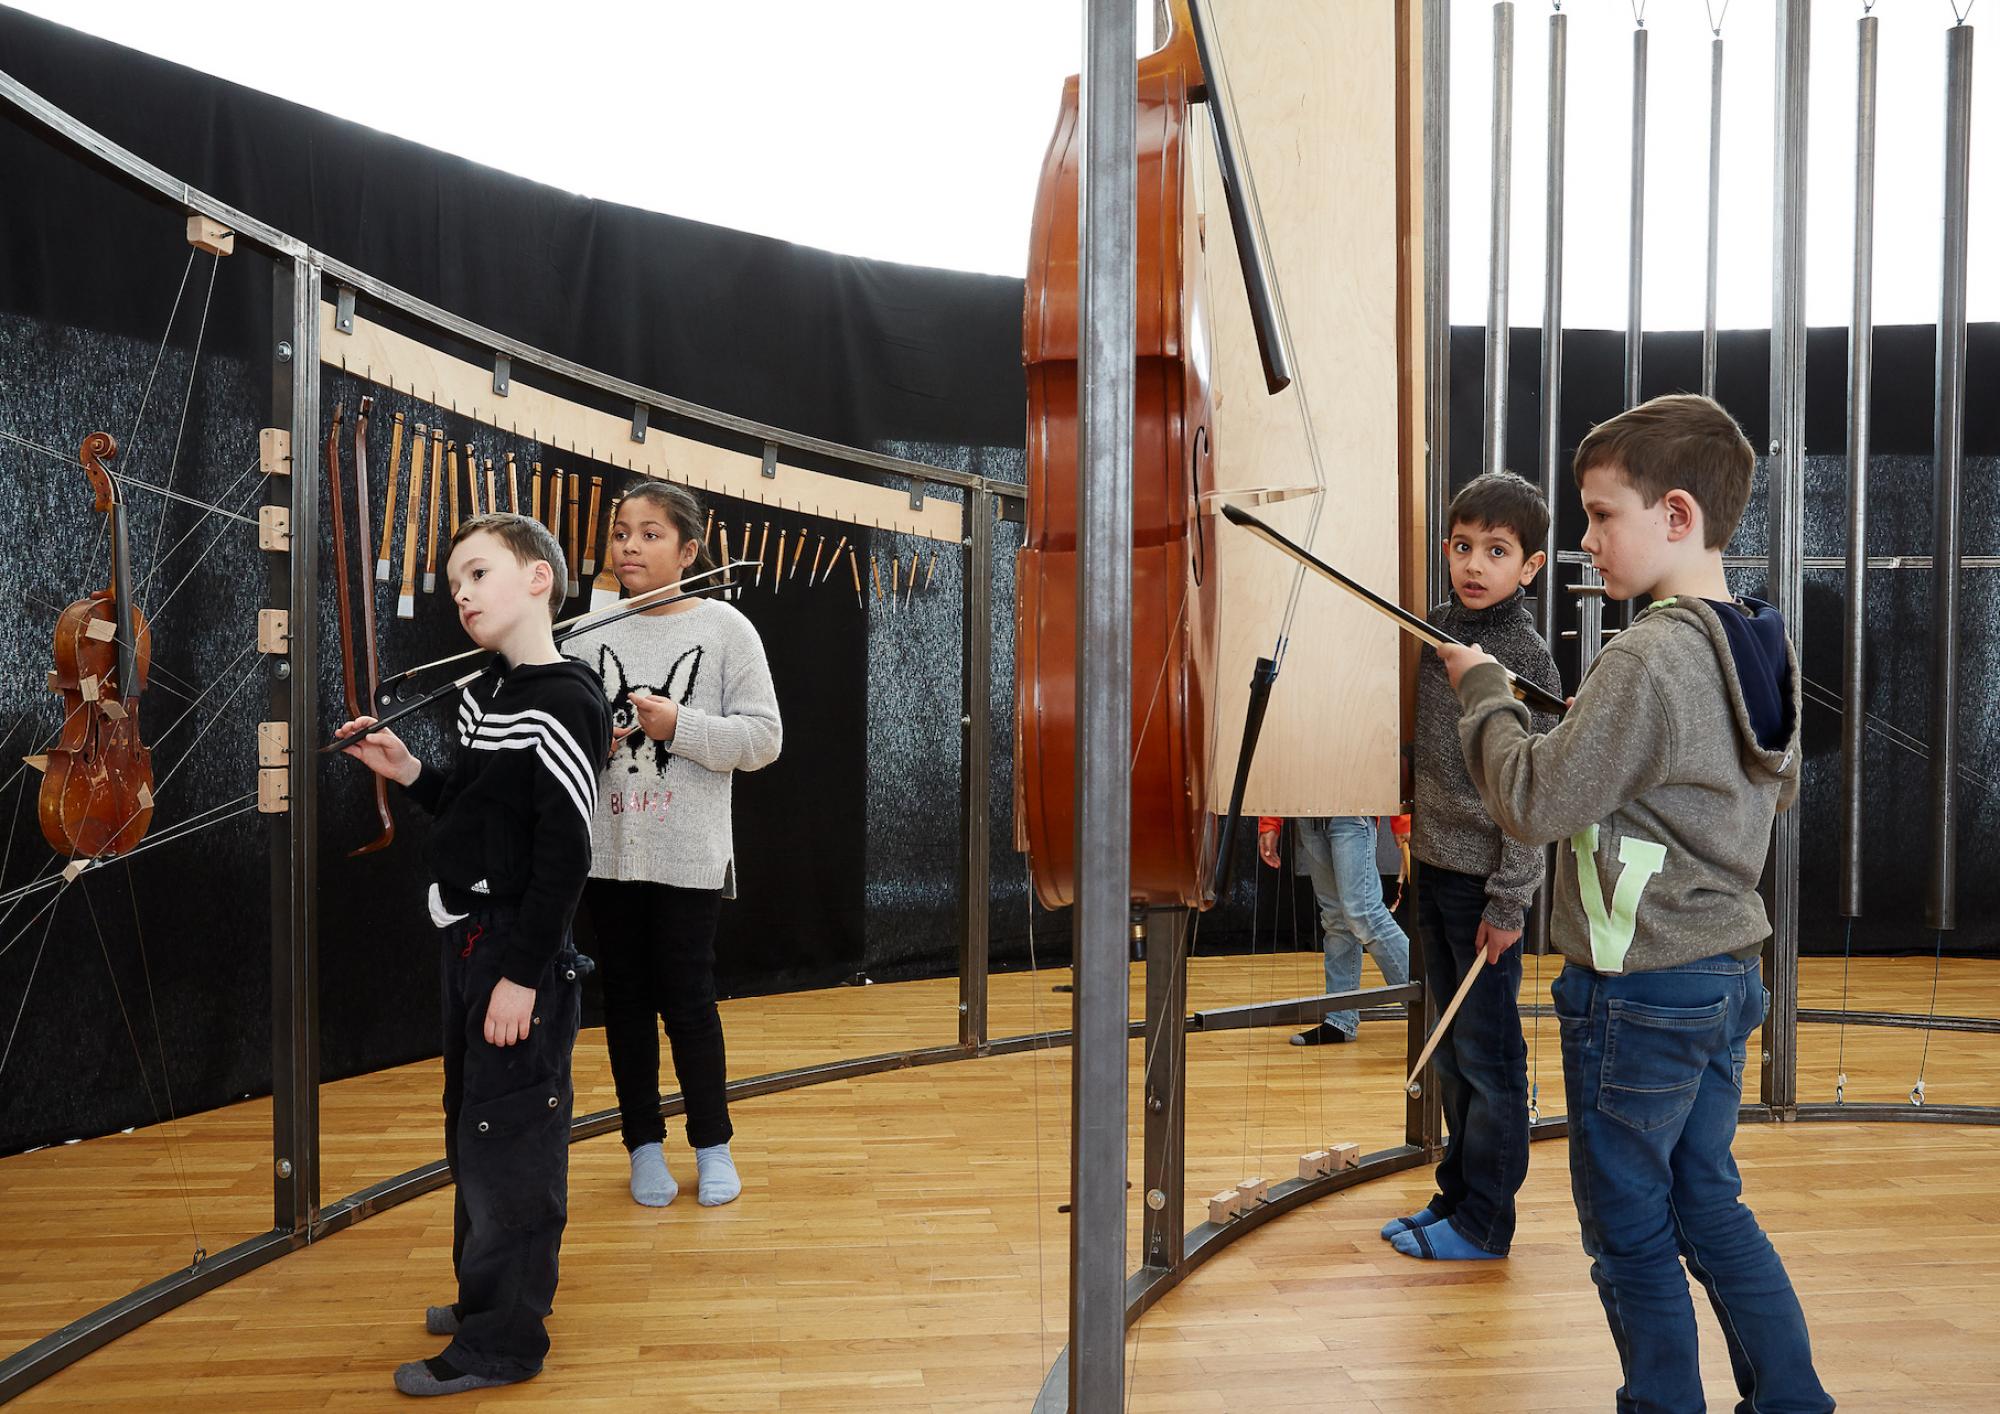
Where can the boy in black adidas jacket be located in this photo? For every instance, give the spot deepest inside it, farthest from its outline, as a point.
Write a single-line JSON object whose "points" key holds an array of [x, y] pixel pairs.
{"points": [[510, 850]]}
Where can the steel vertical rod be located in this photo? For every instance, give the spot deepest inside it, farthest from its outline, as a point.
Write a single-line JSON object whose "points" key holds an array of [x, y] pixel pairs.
{"points": [[1437, 286], [1551, 382], [1635, 270], [1708, 339], [976, 767], [1860, 377], [1785, 553], [1165, 1085], [1107, 247], [293, 698], [1493, 448], [1941, 908]]}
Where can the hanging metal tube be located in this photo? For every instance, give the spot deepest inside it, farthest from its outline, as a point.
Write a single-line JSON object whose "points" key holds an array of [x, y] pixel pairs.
{"points": [[1941, 909], [1714, 214], [1636, 242], [1493, 448], [1437, 288], [1785, 554], [1860, 376], [1552, 272]]}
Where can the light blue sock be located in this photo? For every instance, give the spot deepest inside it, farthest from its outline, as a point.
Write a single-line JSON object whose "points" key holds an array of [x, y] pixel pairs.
{"points": [[652, 1185], [1423, 1217], [1440, 1242], [718, 1181]]}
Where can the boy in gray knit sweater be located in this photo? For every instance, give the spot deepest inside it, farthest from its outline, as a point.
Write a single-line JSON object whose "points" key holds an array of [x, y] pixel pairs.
{"points": [[1474, 884], [1661, 784]]}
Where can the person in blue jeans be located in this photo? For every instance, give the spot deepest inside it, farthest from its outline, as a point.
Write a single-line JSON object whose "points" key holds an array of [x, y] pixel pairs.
{"points": [[1661, 784], [1338, 854]]}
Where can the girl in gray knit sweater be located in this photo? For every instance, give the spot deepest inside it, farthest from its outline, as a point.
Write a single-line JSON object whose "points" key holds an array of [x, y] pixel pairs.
{"points": [[692, 704]]}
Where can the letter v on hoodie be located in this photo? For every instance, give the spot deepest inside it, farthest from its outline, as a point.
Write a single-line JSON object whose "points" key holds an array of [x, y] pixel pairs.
{"points": [[1660, 784]]}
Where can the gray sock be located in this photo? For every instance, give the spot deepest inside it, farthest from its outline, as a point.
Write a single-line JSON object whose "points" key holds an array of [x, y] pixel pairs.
{"points": [[718, 1181], [652, 1185], [419, 1378], [441, 1320]]}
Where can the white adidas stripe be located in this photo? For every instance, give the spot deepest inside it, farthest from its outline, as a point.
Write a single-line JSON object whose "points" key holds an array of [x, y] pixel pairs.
{"points": [[531, 730], [557, 735]]}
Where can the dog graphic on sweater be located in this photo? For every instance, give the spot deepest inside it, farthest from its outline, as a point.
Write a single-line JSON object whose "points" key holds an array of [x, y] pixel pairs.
{"points": [[682, 675]]}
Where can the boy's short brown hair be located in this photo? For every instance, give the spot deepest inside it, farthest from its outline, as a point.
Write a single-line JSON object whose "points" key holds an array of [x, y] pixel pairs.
{"points": [[1500, 500], [529, 540], [1681, 441]]}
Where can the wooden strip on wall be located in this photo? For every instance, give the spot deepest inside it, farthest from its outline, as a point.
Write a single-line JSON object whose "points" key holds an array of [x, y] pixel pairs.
{"points": [[397, 361]]}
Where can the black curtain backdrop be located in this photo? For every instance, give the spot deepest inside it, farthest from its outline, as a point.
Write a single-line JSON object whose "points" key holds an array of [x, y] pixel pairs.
{"points": [[1896, 837], [834, 883]]}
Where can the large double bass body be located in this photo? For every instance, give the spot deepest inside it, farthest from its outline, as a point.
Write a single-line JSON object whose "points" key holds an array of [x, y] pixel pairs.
{"points": [[1173, 579]]}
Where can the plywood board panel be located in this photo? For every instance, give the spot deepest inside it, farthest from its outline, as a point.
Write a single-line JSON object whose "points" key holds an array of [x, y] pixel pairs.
{"points": [[1316, 105]]}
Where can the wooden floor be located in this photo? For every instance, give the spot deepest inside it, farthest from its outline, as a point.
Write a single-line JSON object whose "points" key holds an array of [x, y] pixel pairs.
{"points": [[898, 1245]]}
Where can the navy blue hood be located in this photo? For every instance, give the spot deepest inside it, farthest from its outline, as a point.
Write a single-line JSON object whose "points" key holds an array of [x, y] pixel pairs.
{"points": [[1756, 635]]}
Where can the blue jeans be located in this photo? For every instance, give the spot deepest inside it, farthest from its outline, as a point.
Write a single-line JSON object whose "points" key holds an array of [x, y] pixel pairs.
{"points": [[1338, 855], [1482, 1063], [1653, 1063]]}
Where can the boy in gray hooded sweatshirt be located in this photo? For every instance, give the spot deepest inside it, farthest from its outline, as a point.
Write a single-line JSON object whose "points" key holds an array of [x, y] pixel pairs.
{"points": [[1661, 783]]}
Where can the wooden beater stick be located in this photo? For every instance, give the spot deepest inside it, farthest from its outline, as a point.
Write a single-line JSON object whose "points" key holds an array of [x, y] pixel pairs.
{"points": [[763, 543], [1437, 1032], [451, 475], [437, 490], [590, 537], [406, 602], [535, 484], [575, 586], [513, 486], [778, 574], [389, 506], [472, 480]]}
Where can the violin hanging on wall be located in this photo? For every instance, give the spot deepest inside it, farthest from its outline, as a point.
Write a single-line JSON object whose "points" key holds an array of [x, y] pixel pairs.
{"points": [[97, 789]]}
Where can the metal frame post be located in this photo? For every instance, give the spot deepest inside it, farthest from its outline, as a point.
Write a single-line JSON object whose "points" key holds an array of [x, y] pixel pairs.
{"points": [[975, 791], [1860, 377], [1551, 389], [293, 698], [1107, 246], [1941, 908], [1786, 558], [1493, 448]]}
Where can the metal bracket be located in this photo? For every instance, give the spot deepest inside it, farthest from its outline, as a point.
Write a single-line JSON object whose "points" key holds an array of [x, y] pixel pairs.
{"points": [[502, 368], [274, 790], [916, 493], [274, 451], [274, 743], [343, 310], [770, 461], [274, 528], [274, 631], [639, 422]]}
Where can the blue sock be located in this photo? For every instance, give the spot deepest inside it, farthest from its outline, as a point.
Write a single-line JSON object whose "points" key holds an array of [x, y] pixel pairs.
{"points": [[1440, 1242], [1423, 1217]]}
